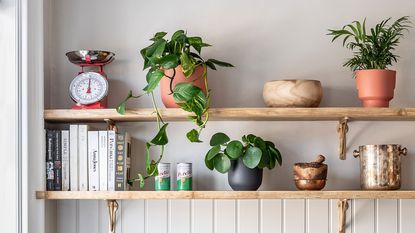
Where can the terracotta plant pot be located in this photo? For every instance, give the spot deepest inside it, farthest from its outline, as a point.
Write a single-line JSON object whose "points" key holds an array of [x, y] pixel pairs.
{"points": [[167, 96], [292, 93], [375, 87]]}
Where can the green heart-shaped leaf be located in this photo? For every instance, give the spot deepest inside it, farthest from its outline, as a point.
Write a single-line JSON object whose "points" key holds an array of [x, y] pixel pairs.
{"points": [[169, 61], [185, 92], [193, 136], [153, 80], [161, 137]]}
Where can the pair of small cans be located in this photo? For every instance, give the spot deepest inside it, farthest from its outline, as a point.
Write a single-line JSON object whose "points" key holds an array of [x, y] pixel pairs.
{"points": [[184, 177]]}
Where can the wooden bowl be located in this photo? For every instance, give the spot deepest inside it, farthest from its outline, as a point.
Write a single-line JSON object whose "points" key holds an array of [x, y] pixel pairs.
{"points": [[310, 184], [293, 93], [316, 170]]}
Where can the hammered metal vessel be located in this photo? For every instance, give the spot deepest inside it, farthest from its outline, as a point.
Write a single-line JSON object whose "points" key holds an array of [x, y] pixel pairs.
{"points": [[380, 166]]}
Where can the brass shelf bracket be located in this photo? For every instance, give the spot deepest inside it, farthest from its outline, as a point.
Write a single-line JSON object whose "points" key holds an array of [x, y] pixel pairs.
{"points": [[342, 206], [111, 125], [112, 210], [342, 129]]}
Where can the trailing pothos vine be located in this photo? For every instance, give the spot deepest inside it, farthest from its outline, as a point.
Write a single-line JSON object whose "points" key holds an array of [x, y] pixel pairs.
{"points": [[162, 55]]}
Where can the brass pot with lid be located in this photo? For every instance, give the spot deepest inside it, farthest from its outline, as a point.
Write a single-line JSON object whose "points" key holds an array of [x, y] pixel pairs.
{"points": [[312, 175]]}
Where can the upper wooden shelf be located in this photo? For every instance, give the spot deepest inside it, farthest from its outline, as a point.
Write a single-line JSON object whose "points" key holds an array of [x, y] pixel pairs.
{"points": [[241, 114], [128, 195]]}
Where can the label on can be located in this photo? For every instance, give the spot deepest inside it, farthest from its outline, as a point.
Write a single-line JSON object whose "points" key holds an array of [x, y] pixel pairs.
{"points": [[184, 176], [162, 180]]}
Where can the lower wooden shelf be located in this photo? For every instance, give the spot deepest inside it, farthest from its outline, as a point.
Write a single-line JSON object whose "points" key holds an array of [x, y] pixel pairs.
{"points": [[130, 195]]}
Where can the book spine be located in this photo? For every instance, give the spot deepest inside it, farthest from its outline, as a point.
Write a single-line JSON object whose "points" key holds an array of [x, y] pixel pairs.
{"points": [[120, 160], [58, 160], [50, 176], [127, 164], [65, 160], [111, 160], [83, 157], [93, 161], [73, 157], [103, 160]]}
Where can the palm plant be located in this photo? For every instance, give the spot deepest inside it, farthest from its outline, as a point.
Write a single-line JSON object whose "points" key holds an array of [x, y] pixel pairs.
{"points": [[374, 48]]}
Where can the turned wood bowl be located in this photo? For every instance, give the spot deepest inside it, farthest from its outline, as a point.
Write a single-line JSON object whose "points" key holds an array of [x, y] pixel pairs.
{"points": [[315, 170], [293, 93], [310, 184]]}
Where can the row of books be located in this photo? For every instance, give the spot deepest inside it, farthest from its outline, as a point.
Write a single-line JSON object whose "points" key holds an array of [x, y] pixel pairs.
{"points": [[80, 159]]}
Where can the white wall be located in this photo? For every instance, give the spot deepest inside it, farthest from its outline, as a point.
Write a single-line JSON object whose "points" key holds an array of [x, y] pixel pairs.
{"points": [[265, 40], [8, 116]]}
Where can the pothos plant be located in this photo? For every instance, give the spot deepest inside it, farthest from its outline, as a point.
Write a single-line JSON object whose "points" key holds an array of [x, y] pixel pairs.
{"points": [[372, 48], [254, 151], [162, 55]]}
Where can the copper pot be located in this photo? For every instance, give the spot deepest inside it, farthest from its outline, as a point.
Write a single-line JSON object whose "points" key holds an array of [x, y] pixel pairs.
{"points": [[380, 166]]}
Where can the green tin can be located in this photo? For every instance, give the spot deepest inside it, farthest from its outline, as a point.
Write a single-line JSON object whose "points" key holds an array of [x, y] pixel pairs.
{"points": [[162, 180], [184, 176]]}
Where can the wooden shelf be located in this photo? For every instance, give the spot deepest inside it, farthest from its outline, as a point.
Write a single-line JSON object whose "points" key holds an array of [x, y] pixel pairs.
{"points": [[242, 114], [128, 195]]}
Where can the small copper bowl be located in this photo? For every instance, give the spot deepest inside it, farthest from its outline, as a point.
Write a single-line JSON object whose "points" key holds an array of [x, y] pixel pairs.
{"points": [[310, 184]]}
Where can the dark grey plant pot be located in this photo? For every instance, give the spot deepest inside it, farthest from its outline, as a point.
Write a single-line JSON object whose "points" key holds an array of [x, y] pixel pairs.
{"points": [[242, 178]]}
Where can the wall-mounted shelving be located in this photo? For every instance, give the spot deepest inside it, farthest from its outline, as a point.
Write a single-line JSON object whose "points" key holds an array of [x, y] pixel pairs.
{"points": [[134, 195], [341, 114], [241, 114]]}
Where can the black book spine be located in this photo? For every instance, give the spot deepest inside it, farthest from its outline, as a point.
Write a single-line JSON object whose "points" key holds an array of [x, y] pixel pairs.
{"points": [[50, 175], [58, 160]]}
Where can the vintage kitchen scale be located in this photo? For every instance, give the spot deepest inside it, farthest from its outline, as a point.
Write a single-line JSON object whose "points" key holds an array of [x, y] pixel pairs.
{"points": [[89, 89]]}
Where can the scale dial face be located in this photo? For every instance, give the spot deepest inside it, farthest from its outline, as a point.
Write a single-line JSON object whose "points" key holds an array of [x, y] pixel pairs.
{"points": [[88, 88]]}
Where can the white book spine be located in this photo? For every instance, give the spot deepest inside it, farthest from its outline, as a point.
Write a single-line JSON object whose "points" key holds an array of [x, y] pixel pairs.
{"points": [[65, 160], [93, 161], [73, 157], [111, 160], [83, 157], [103, 160]]}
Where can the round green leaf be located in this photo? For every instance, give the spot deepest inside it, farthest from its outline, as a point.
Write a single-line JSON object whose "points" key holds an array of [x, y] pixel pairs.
{"points": [[234, 149], [218, 139], [213, 152], [276, 153], [259, 142], [251, 138], [222, 163], [252, 157], [265, 159], [209, 163]]}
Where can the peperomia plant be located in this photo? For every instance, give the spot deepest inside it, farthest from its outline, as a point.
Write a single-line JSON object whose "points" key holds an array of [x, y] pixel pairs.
{"points": [[162, 55], [373, 48], [254, 151]]}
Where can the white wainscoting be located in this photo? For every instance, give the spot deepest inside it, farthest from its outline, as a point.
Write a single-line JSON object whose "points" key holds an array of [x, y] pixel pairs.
{"points": [[236, 216]]}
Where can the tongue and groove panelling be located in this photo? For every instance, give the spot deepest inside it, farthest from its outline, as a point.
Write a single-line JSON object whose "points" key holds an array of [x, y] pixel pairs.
{"points": [[237, 216]]}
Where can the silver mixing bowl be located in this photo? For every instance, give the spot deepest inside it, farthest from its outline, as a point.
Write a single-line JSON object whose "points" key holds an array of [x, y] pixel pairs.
{"points": [[96, 56]]}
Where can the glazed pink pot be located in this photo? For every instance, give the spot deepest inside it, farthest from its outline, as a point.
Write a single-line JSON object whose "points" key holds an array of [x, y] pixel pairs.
{"points": [[375, 87], [167, 96]]}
